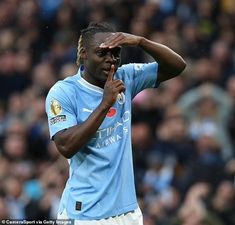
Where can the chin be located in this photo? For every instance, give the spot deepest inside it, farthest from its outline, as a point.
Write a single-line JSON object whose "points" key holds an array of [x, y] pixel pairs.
{"points": [[104, 75]]}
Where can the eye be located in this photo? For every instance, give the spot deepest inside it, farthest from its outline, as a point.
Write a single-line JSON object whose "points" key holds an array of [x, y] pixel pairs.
{"points": [[101, 52], [115, 52]]}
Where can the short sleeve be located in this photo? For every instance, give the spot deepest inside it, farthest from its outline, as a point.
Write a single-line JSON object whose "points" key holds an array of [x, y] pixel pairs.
{"points": [[60, 110], [141, 76]]}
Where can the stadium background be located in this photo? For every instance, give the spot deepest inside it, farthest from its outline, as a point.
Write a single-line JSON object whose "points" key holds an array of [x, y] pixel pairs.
{"points": [[183, 132]]}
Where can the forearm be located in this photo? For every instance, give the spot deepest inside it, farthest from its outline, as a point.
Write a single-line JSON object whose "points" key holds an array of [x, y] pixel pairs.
{"points": [[72, 139], [170, 63]]}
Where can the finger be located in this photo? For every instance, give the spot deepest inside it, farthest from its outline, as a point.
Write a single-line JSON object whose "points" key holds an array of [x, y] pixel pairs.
{"points": [[119, 86], [111, 73], [110, 37], [116, 43], [112, 41], [117, 82]]}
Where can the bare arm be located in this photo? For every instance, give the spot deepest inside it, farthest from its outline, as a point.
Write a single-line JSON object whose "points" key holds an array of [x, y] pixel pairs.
{"points": [[69, 141], [170, 63]]}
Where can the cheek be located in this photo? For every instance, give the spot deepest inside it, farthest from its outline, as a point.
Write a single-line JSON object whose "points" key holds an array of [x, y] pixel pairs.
{"points": [[91, 66], [94, 62], [94, 69]]}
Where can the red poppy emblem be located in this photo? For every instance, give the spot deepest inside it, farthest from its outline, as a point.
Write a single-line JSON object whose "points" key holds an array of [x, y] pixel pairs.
{"points": [[112, 111]]}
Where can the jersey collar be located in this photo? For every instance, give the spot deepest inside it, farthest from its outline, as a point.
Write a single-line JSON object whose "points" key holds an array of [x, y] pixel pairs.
{"points": [[88, 85]]}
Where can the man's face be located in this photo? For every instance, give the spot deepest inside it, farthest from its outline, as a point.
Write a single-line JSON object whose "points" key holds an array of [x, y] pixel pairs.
{"points": [[98, 60]]}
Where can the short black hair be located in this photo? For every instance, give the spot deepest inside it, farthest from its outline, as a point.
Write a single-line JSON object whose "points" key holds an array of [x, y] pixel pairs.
{"points": [[88, 33]]}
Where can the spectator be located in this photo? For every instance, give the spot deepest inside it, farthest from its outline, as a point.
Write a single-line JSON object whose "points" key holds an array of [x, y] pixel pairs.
{"points": [[207, 109]]}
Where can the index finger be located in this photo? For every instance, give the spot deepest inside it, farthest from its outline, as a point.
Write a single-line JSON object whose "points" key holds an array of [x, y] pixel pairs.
{"points": [[111, 73]]}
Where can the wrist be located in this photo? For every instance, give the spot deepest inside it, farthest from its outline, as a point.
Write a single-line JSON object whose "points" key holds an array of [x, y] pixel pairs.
{"points": [[104, 107], [141, 41]]}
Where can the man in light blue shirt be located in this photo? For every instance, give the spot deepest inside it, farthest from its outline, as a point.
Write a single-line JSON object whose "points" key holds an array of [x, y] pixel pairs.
{"points": [[89, 117]]}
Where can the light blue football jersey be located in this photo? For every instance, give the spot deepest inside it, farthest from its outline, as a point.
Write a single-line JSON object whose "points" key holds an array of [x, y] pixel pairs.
{"points": [[101, 180]]}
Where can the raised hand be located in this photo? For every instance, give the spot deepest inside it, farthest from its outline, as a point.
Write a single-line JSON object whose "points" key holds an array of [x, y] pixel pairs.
{"points": [[120, 39], [112, 88]]}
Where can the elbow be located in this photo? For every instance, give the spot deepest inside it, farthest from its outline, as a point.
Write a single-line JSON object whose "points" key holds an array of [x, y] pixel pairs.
{"points": [[181, 67], [177, 68], [68, 154], [166, 73], [65, 151], [64, 146]]}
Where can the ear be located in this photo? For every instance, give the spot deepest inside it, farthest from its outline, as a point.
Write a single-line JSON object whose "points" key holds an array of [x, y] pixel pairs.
{"points": [[83, 54]]}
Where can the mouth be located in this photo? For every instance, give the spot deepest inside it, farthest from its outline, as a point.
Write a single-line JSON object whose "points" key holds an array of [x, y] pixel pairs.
{"points": [[106, 70]]}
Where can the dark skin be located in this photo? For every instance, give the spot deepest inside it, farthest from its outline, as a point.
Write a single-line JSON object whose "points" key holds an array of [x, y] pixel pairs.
{"points": [[101, 61]]}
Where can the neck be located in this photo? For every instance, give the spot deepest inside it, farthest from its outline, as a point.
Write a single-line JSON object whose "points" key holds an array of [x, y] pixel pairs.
{"points": [[86, 76]]}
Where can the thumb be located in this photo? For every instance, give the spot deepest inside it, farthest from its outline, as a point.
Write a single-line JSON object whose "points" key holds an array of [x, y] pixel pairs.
{"points": [[111, 73]]}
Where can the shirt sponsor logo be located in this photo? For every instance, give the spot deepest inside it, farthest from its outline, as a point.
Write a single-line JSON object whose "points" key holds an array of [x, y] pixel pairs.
{"points": [[57, 119], [56, 108], [112, 112], [110, 135]]}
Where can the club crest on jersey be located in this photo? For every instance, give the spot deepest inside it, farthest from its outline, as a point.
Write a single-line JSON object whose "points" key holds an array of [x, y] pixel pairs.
{"points": [[112, 112], [121, 98], [56, 108]]}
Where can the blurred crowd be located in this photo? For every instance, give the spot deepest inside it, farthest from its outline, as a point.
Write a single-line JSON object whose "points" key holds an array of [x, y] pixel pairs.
{"points": [[183, 132]]}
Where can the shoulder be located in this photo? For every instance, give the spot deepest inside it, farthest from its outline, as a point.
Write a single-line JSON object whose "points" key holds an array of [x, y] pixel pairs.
{"points": [[136, 66], [62, 90], [125, 69], [65, 85]]}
